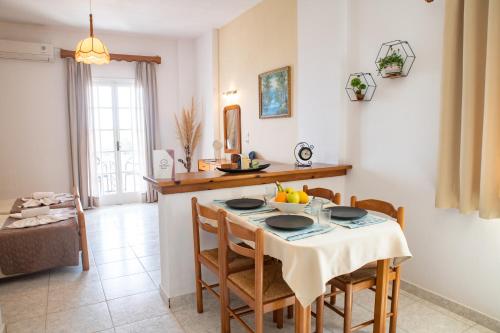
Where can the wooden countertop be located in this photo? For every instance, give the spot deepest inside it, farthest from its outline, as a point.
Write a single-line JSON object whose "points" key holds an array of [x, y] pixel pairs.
{"points": [[210, 180]]}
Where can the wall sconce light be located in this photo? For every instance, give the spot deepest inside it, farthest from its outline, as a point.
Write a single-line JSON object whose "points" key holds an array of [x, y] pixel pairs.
{"points": [[230, 93]]}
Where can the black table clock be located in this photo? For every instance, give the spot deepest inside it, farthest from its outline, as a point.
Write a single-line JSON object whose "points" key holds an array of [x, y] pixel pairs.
{"points": [[303, 154]]}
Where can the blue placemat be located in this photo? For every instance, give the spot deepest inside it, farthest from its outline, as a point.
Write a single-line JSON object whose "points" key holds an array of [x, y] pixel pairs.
{"points": [[262, 209], [313, 230], [362, 222]]}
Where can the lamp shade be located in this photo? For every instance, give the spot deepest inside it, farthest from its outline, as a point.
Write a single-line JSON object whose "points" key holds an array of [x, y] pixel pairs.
{"points": [[92, 51]]}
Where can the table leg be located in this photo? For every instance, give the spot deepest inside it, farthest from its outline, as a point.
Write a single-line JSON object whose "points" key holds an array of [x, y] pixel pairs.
{"points": [[302, 318], [381, 296]]}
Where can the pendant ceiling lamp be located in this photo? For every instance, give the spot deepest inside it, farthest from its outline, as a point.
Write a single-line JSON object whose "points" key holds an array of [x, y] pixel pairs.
{"points": [[91, 50]]}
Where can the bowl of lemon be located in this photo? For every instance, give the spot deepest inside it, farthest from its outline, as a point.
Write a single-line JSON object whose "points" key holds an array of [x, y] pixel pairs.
{"points": [[289, 200]]}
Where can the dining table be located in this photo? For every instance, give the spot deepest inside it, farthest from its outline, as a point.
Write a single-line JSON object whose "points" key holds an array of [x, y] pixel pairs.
{"points": [[311, 260]]}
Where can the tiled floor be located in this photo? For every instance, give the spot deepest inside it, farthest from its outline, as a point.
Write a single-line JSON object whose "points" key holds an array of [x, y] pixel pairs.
{"points": [[120, 292]]}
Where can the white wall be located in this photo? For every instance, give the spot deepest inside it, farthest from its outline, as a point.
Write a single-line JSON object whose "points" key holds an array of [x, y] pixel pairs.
{"points": [[392, 141], [207, 89], [321, 59], [34, 154]]}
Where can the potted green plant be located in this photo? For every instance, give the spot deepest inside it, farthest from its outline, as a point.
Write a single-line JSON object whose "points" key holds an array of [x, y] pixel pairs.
{"points": [[359, 88], [391, 64]]}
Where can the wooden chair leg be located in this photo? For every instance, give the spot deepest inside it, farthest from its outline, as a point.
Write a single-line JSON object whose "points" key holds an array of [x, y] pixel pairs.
{"points": [[333, 298], [289, 312], [199, 288], [224, 313], [319, 313], [259, 320], [280, 316], [348, 308], [394, 303], [275, 316]]}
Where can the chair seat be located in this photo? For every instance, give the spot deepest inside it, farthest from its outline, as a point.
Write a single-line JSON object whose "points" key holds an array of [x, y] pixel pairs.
{"points": [[235, 261], [363, 274], [274, 287]]}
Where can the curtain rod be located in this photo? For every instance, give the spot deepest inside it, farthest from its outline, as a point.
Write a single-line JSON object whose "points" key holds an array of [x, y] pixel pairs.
{"points": [[118, 57]]}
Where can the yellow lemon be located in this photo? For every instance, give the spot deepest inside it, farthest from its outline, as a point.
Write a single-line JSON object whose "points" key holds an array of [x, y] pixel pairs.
{"points": [[304, 198]]}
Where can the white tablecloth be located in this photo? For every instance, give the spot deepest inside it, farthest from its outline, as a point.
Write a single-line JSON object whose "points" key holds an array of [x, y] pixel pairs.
{"points": [[308, 264]]}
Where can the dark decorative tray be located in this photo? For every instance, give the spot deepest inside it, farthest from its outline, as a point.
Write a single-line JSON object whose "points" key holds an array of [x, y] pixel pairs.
{"points": [[236, 170], [347, 213], [289, 222], [244, 203]]}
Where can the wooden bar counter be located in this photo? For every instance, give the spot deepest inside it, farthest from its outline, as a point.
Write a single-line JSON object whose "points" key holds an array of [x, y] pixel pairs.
{"points": [[174, 210], [210, 180]]}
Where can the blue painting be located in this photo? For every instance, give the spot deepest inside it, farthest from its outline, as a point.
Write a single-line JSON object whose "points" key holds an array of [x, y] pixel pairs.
{"points": [[274, 93]]}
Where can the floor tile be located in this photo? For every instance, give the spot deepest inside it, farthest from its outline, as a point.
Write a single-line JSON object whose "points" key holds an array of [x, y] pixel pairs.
{"points": [[68, 275], [23, 283], [120, 268], [419, 318], [155, 276], [31, 325], [163, 324], [113, 255], [150, 263], [85, 319], [73, 295], [478, 329], [138, 307], [21, 305], [147, 249], [127, 285]]}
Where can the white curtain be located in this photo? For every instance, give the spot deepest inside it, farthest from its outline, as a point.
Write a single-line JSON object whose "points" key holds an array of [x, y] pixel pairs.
{"points": [[79, 79], [147, 100]]}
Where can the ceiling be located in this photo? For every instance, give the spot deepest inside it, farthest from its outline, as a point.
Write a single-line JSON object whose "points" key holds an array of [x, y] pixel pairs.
{"points": [[158, 17]]}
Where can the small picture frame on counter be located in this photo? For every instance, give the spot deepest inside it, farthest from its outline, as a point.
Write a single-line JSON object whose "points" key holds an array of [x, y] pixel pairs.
{"points": [[163, 164]]}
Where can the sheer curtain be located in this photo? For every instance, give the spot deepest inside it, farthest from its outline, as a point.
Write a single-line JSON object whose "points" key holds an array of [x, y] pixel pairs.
{"points": [[469, 160], [147, 100], [79, 80]]}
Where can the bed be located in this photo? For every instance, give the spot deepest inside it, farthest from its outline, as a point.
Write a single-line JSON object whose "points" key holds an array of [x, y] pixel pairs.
{"points": [[43, 247]]}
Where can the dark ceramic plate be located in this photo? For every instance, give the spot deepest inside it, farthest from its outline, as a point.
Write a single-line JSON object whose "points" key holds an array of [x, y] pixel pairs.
{"points": [[234, 170], [244, 203], [347, 213], [289, 222]]}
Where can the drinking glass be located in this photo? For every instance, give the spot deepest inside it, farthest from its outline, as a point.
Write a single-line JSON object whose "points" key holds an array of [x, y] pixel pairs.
{"points": [[324, 216], [316, 206], [270, 192]]}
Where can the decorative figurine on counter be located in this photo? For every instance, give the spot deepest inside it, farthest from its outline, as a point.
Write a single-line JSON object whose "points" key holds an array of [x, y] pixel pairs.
{"points": [[303, 154]]}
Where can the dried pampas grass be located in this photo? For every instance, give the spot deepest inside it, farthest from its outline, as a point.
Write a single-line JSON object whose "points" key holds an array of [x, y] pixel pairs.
{"points": [[189, 133]]}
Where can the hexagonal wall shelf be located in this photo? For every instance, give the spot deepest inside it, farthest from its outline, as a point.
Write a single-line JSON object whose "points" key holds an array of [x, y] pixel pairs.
{"points": [[360, 87], [395, 59]]}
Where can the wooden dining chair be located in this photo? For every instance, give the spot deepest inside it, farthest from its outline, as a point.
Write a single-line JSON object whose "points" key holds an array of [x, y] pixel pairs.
{"points": [[206, 219], [323, 193], [365, 277], [262, 288]]}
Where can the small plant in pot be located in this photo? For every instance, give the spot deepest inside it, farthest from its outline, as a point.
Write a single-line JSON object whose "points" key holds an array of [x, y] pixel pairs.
{"points": [[391, 64], [359, 88]]}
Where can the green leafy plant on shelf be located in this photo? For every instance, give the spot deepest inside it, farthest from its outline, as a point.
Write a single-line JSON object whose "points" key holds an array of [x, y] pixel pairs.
{"points": [[391, 65], [359, 88]]}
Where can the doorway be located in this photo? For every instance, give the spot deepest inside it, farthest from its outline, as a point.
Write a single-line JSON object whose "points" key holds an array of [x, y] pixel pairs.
{"points": [[118, 155]]}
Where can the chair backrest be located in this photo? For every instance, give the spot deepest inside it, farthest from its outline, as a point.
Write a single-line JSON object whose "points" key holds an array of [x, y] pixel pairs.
{"points": [[323, 193], [229, 230], [380, 206], [199, 212]]}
